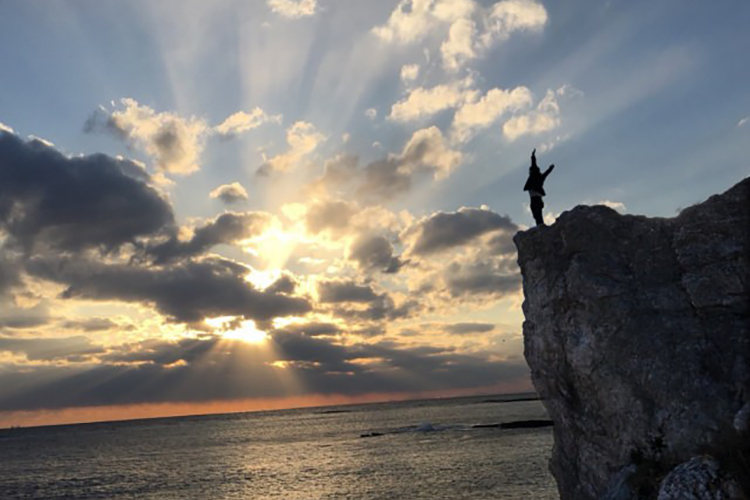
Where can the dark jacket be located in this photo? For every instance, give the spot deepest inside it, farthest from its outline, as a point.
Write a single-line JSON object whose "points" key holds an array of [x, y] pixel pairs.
{"points": [[535, 182]]}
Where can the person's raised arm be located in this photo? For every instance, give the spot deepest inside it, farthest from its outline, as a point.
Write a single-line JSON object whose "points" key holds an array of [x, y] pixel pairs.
{"points": [[533, 158], [549, 170]]}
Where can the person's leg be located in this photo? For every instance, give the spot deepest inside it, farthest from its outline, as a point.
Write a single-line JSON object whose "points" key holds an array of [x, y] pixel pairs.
{"points": [[537, 204]]}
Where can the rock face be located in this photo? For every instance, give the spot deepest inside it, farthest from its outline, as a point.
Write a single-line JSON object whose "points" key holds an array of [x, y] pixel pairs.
{"points": [[637, 333]]}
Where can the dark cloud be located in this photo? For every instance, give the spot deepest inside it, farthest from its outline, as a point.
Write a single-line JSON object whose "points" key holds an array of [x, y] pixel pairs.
{"points": [[14, 317], [382, 308], [228, 227], [446, 230], [312, 329], [386, 179], [90, 324], [375, 253], [198, 370], [488, 278], [174, 142], [332, 215], [188, 291], [10, 273], [465, 328], [336, 291], [339, 171], [230, 193], [502, 244], [284, 284], [315, 350], [71, 204], [169, 142], [161, 352], [50, 349], [361, 302], [426, 154], [102, 122]]}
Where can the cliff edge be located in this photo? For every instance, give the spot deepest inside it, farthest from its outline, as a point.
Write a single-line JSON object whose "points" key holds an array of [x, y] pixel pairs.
{"points": [[637, 333]]}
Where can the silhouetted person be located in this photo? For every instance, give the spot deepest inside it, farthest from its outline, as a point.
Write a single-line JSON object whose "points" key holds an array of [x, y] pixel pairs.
{"points": [[535, 187]]}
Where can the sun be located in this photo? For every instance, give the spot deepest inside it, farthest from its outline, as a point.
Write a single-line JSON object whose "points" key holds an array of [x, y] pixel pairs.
{"points": [[232, 328], [247, 333]]}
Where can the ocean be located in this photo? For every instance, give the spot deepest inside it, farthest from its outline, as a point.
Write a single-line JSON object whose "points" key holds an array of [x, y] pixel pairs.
{"points": [[427, 449]]}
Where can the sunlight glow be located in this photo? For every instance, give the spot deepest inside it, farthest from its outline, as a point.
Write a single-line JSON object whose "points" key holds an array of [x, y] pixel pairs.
{"points": [[276, 245], [232, 328], [263, 279]]}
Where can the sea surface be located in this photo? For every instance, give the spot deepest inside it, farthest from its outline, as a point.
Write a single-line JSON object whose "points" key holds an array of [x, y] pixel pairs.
{"points": [[426, 449]]}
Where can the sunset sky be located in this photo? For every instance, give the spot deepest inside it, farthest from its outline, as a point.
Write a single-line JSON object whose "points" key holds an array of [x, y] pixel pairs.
{"points": [[245, 204]]}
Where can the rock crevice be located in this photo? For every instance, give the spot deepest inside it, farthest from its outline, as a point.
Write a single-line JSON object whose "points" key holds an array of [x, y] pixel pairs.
{"points": [[637, 333]]}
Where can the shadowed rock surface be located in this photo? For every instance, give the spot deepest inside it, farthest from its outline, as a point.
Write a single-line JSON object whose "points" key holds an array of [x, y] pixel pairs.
{"points": [[637, 335]]}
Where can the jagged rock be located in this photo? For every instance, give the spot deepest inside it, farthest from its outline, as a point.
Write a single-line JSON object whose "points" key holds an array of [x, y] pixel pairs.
{"points": [[700, 478], [637, 334]]}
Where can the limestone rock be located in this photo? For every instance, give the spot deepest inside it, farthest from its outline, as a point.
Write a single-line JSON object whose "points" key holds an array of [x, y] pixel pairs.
{"points": [[700, 478], [637, 333]]}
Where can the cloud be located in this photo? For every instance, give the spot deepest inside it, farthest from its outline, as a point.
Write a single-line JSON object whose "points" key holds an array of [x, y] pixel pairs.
{"points": [[10, 273], [427, 148], [354, 302], [329, 215], [241, 122], [442, 230], [71, 204], [409, 73], [14, 317], [90, 324], [51, 349], [481, 278], [743, 122], [424, 102], [228, 227], [508, 16], [336, 291], [371, 113], [459, 46], [174, 142], [339, 171], [413, 20], [230, 194], [186, 292], [285, 284], [374, 253], [293, 9], [480, 114], [467, 328], [197, 370], [467, 28], [302, 138], [615, 205], [426, 153], [544, 118], [311, 329]]}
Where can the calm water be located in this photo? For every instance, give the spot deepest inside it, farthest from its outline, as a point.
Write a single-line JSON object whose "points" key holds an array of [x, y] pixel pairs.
{"points": [[428, 449]]}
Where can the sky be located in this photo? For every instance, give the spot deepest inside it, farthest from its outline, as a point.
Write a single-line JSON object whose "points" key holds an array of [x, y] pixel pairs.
{"points": [[242, 205]]}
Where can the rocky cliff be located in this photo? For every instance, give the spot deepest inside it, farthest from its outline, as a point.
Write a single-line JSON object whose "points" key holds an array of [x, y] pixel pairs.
{"points": [[637, 334]]}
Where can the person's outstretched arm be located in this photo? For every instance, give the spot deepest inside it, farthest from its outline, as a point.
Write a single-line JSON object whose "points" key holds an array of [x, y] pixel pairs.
{"points": [[549, 170], [533, 158]]}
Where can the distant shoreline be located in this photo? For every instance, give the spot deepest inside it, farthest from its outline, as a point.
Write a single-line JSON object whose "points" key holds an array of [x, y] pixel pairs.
{"points": [[322, 410]]}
